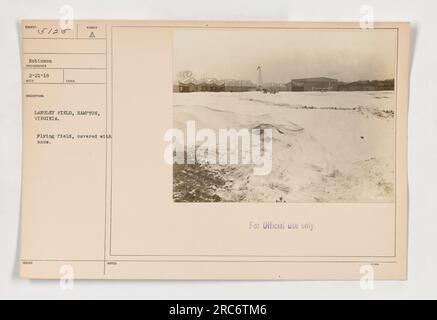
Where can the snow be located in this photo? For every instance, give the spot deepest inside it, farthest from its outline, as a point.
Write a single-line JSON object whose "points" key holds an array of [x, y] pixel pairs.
{"points": [[329, 146]]}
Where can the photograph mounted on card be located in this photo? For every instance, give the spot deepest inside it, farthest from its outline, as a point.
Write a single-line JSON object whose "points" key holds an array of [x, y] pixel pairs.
{"points": [[215, 150]]}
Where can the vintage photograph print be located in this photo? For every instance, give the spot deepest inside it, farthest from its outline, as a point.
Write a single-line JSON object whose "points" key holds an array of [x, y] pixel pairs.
{"points": [[290, 115]]}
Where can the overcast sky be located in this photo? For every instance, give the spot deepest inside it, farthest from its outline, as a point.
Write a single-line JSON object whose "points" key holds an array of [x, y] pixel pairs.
{"points": [[347, 55]]}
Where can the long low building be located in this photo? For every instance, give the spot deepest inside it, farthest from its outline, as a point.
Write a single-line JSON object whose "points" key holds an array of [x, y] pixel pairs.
{"points": [[368, 85], [213, 85], [239, 85], [313, 84], [210, 85]]}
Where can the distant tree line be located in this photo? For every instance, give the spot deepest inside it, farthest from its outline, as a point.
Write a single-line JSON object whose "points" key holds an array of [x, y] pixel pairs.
{"points": [[368, 85]]}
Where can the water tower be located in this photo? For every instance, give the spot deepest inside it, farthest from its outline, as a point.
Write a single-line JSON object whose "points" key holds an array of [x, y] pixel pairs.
{"points": [[260, 77]]}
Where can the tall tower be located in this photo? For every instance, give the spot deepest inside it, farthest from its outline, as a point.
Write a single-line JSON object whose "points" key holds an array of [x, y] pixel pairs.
{"points": [[260, 77]]}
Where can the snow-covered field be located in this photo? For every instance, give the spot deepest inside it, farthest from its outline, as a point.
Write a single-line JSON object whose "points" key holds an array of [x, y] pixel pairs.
{"points": [[329, 147]]}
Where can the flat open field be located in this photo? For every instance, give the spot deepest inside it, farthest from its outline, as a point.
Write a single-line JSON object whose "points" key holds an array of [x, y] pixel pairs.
{"points": [[327, 147]]}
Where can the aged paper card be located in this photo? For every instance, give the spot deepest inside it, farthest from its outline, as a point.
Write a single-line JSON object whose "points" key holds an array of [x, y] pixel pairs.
{"points": [[214, 150]]}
